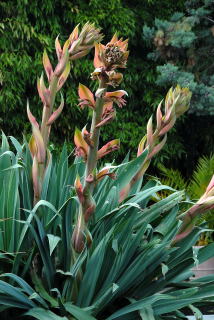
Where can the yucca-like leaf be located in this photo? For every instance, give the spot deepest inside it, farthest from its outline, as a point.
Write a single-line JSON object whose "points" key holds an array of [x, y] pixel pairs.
{"points": [[93, 266], [16, 295], [41, 240], [4, 144], [78, 313], [42, 291], [129, 170], [131, 255], [43, 314], [26, 288], [9, 198], [17, 145]]}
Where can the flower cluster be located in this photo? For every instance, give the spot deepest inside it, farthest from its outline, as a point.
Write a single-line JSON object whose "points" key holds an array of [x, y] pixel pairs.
{"points": [[109, 57]]}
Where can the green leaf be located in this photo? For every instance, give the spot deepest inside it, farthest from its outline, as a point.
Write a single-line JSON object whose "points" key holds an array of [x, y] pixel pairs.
{"points": [[78, 263], [93, 269], [137, 306], [16, 294], [147, 313], [42, 291], [129, 170], [4, 143], [53, 241], [43, 314], [197, 313], [25, 287], [164, 269], [77, 312], [41, 240], [17, 145]]}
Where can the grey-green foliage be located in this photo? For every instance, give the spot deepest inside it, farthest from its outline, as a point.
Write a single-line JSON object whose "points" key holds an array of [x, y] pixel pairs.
{"points": [[185, 43], [131, 269]]}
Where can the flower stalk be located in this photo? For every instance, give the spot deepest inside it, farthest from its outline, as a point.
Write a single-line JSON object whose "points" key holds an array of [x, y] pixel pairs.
{"points": [[77, 46], [107, 59], [95, 131], [176, 103]]}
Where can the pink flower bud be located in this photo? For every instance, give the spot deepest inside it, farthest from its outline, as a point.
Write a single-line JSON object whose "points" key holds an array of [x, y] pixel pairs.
{"points": [[81, 145], [78, 238], [47, 66], [58, 48]]}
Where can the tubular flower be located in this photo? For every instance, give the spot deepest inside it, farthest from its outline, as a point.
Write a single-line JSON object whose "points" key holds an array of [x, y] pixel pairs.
{"points": [[36, 144], [86, 97], [44, 93], [108, 147], [105, 172], [79, 189], [113, 55], [117, 97], [108, 115], [109, 112], [47, 66], [81, 145], [87, 137]]}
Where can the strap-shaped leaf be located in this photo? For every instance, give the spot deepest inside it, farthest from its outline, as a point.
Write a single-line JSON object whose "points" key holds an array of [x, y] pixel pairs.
{"points": [[43, 314], [77, 312]]}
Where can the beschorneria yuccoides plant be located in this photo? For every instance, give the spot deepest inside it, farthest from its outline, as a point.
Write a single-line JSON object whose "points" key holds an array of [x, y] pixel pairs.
{"points": [[107, 60]]}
